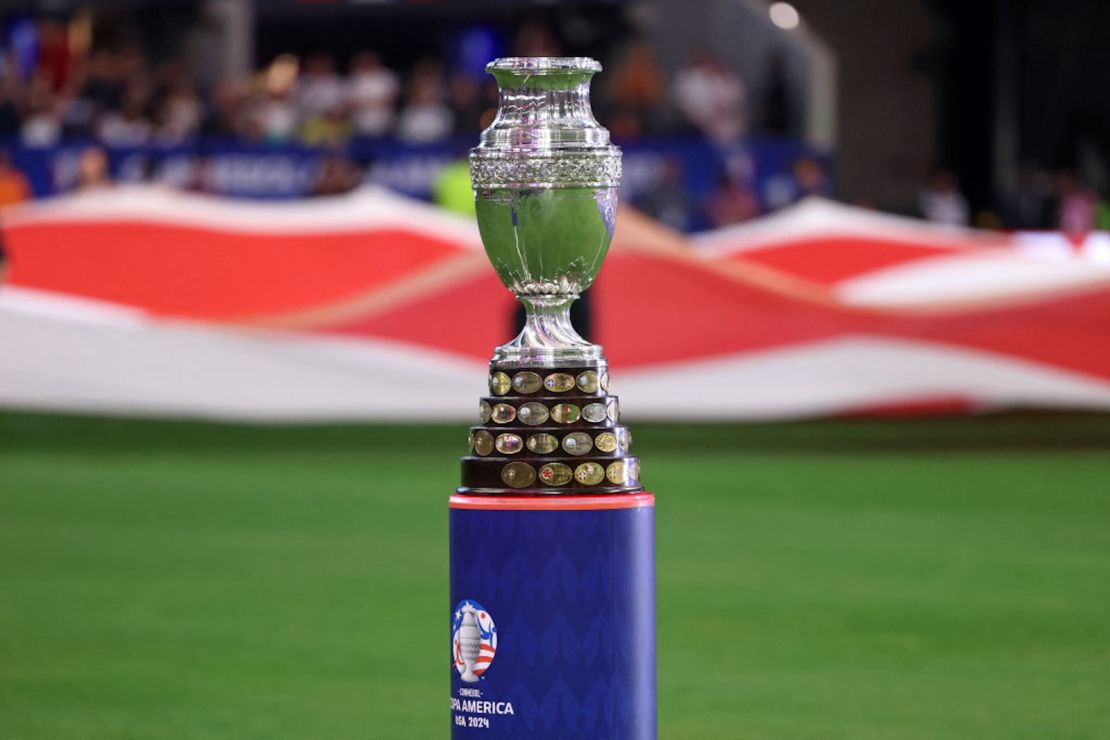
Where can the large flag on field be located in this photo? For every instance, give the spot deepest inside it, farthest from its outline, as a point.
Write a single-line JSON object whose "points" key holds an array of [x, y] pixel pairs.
{"points": [[372, 306]]}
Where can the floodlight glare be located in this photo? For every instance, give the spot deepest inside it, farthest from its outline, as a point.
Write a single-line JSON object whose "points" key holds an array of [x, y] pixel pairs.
{"points": [[785, 16]]}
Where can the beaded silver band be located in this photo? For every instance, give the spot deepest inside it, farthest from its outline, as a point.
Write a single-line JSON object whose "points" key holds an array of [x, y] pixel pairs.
{"points": [[601, 169]]}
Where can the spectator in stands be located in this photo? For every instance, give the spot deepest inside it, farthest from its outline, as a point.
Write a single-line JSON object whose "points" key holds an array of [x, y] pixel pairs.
{"points": [[1076, 205], [372, 94], [104, 86], [734, 202], [92, 169], [807, 178], [179, 115], [274, 117], [637, 92], [810, 178], [78, 111], [133, 72], [42, 123], [332, 128], [669, 199], [54, 53], [942, 202], [425, 117], [711, 97], [224, 118], [175, 107], [1029, 206], [319, 89], [128, 126], [14, 187]]}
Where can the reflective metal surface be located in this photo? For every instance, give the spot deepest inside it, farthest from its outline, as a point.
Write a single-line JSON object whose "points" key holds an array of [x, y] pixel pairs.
{"points": [[545, 180]]}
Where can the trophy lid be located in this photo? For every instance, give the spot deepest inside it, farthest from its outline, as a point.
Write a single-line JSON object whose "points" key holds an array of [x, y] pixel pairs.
{"points": [[544, 65], [544, 106]]}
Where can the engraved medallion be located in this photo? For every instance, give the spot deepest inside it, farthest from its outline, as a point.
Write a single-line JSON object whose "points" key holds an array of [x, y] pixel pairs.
{"points": [[499, 384], [589, 474], [508, 444], [527, 382], [594, 412], [624, 439], [503, 413], [606, 442], [556, 474], [558, 382], [533, 413], [483, 442], [565, 413], [577, 443], [587, 381], [518, 475], [543, 444]]}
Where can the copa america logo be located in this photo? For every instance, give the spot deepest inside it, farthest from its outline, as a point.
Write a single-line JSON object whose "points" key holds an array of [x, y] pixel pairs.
{"points": [[473, 640]]}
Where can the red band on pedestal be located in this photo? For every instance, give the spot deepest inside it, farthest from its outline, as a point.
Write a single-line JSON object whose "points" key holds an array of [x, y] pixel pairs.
{"points": [[554, 503]]}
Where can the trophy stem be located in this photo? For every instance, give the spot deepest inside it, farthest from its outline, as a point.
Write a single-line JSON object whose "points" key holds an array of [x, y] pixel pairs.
{"points": [[548, 338]]}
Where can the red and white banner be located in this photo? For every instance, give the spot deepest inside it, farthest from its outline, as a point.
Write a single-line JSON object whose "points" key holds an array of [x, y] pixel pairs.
{"points": [[372, 306]]}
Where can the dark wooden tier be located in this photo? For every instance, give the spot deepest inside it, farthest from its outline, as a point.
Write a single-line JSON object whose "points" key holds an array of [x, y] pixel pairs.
{"points": [[550, 431]]}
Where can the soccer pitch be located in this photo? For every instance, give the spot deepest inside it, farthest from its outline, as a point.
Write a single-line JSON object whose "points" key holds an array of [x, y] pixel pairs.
{"points": [[849, 579]]}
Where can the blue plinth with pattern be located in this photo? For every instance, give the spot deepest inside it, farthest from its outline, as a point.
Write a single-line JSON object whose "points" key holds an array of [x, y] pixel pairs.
{"points": [[553, 624]]}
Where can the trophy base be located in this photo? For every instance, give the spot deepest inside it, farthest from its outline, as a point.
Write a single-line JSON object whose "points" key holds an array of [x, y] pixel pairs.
{"points": [[550, 430]]}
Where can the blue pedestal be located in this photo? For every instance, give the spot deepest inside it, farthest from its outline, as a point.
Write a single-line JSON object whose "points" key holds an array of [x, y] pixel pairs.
{"points": [[553, 617]]}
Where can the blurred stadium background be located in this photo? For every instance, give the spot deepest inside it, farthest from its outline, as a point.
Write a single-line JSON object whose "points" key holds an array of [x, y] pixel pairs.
{"points": [[857, 310]]}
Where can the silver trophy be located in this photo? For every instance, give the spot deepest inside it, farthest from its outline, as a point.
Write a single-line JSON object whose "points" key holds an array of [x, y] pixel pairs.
{"points": [[545, 183], [545, 186]]}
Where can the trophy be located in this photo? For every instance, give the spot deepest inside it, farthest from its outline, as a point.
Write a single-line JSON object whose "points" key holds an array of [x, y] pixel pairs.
{"points": [[552, 535]]}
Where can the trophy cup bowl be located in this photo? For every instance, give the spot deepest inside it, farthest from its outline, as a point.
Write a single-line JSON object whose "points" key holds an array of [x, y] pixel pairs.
{"points": [[546, 182]]}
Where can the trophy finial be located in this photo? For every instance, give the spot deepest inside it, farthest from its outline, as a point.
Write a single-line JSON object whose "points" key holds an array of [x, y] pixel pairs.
{"points": [[546, 181]]}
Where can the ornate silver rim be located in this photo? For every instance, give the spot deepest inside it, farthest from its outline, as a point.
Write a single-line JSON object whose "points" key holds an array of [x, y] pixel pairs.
{"points": [[557, 170], [542, 65]]}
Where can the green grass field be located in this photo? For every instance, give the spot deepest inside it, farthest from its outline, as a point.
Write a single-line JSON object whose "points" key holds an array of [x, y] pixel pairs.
{"points": [[850, 579]]}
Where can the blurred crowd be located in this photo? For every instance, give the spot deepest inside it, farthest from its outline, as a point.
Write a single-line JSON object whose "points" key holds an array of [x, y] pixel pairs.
{"points": [[1039, 200], [119, 98], [116, 97]]}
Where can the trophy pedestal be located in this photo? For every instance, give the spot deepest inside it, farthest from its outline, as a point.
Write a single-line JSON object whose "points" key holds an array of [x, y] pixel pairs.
{"points": [[552, 555], [564, 590]]}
